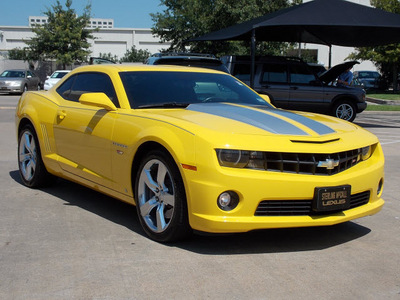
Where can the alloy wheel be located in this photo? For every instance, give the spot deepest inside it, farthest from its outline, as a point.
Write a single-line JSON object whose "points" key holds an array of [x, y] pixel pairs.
{"points": [[27, 155], [156, 197]]}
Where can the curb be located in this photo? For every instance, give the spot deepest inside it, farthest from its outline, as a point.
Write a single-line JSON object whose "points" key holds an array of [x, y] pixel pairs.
{"points": [[380, 101]]}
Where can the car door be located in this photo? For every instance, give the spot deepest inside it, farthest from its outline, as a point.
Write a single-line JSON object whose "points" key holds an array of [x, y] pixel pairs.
{"points": [[32, 80], [83, 133], [306, 92]]}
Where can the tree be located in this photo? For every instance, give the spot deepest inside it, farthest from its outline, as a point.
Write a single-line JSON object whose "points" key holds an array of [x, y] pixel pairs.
{"points": [[109, 56], [64, 37], [17, 54], [185, 19], [386, 58], [134, 55]]}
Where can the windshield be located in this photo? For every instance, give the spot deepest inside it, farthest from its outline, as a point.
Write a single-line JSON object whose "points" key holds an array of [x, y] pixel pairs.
{"points": [[148, 89], [13, 74], [368, 75], [58, 74]]}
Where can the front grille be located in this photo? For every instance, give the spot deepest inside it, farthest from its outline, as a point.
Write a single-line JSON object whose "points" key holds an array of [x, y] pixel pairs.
{"points": [[301, 207], [315, 164]]}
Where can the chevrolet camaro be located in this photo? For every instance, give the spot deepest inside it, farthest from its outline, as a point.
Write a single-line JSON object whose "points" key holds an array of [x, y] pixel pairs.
{"points": [[196, 149]]}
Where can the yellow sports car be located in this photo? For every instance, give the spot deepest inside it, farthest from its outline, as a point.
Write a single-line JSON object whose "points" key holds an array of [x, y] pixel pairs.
{"points": [[196, 149]]}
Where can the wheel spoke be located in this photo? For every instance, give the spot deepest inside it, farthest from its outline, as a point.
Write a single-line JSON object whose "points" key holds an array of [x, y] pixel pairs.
{"points": [[168, 199], [161, 173], [149, 181], [24, 157], [161, 224], [148, 206], [29, 169]]}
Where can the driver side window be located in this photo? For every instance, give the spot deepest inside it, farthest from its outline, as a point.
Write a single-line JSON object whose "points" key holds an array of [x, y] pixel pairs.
{"points": [[91, 82]]}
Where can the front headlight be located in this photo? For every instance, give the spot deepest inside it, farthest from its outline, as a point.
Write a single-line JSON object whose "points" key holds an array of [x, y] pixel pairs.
{"points": [[366, 152], [240, 158], [233, 158]]}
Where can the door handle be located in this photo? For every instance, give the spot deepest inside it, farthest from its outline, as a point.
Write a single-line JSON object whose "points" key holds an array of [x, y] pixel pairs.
{"points": [[294, 88], [61, 114]]}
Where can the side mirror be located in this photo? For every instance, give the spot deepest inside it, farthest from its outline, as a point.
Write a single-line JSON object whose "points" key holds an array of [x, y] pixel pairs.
{"points": [[266, 98], [98, 100]]}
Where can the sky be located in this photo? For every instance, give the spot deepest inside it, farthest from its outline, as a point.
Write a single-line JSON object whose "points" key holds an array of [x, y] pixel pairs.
{"points": [[126, 13]]}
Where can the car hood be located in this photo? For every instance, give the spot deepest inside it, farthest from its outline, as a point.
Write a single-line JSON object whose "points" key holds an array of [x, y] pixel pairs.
{"points": [[260, 120], [334, 72], [259, 127]]}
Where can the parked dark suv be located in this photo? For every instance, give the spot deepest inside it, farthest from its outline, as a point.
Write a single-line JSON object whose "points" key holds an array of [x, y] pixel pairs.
{"points": [[292, 84], [208, 61]]}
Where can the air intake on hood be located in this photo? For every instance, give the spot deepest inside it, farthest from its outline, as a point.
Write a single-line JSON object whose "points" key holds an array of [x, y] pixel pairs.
{"points": [[315, 142]]}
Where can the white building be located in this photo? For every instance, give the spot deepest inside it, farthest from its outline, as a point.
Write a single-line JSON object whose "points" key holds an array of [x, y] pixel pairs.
{"points": [[108, 39]]}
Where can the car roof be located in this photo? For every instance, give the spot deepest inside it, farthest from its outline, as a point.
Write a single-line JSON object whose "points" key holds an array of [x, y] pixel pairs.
{"points": [[141, 67]]}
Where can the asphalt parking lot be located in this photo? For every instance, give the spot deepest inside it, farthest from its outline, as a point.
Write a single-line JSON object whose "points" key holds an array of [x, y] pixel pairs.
{"points": [[69, 242]]}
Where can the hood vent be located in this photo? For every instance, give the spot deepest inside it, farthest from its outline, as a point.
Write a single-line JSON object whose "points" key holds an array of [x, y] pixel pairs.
{"points": [[315, 142]]}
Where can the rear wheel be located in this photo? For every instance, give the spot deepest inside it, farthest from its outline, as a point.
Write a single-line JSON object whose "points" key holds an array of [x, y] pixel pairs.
{"points": [[161, 199], [344, 110], [31, 168]]}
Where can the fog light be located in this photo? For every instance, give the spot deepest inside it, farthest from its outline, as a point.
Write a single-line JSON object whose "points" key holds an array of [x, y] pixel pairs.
{"points": [[228, 200], [380, 187]]}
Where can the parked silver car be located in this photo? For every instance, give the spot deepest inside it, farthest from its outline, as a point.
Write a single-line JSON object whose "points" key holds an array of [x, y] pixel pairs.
{"points": [[18, 81]]}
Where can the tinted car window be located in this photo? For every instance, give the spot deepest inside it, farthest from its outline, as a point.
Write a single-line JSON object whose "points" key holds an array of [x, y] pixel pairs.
{"points": [[242, 72], [82, 83], [65, 89], [301, 74], [274, 73], [28, 73], [146, 89]]}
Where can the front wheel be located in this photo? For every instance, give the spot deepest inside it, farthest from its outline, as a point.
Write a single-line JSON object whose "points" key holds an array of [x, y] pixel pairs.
{"points": [[160, 198], [344, 110], [31, 168]]}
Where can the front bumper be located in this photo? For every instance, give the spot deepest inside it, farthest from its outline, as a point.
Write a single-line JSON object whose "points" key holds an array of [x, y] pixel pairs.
{"points": [[253, 186], [361, 106], [7, 89]]}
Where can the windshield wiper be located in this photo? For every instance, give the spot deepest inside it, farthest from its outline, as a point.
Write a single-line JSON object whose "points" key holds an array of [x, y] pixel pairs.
{"points": [[165, 105]]}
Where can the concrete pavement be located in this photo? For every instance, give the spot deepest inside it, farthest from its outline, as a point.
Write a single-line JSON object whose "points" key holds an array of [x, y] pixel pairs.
{"points": [[69, 242]]}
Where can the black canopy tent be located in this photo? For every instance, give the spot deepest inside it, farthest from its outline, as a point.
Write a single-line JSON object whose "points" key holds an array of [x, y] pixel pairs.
{"points": [[328, 22]]}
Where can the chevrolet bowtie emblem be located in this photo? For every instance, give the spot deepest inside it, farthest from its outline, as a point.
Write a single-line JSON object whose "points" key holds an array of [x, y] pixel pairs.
{"points": [[328, 163]]}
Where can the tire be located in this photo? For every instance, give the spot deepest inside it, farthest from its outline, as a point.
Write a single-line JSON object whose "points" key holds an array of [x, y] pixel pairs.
{"points": [[38, 87], [24, 89], [161, 199], [344, 110], [31, 168]]}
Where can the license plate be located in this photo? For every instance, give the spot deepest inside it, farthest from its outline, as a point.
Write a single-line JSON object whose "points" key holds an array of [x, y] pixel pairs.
{"points": [[331, 198]]}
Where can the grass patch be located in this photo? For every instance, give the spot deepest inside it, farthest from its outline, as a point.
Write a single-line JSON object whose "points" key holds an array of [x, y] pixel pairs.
{"points": [[385, 96], [383, 107]]}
